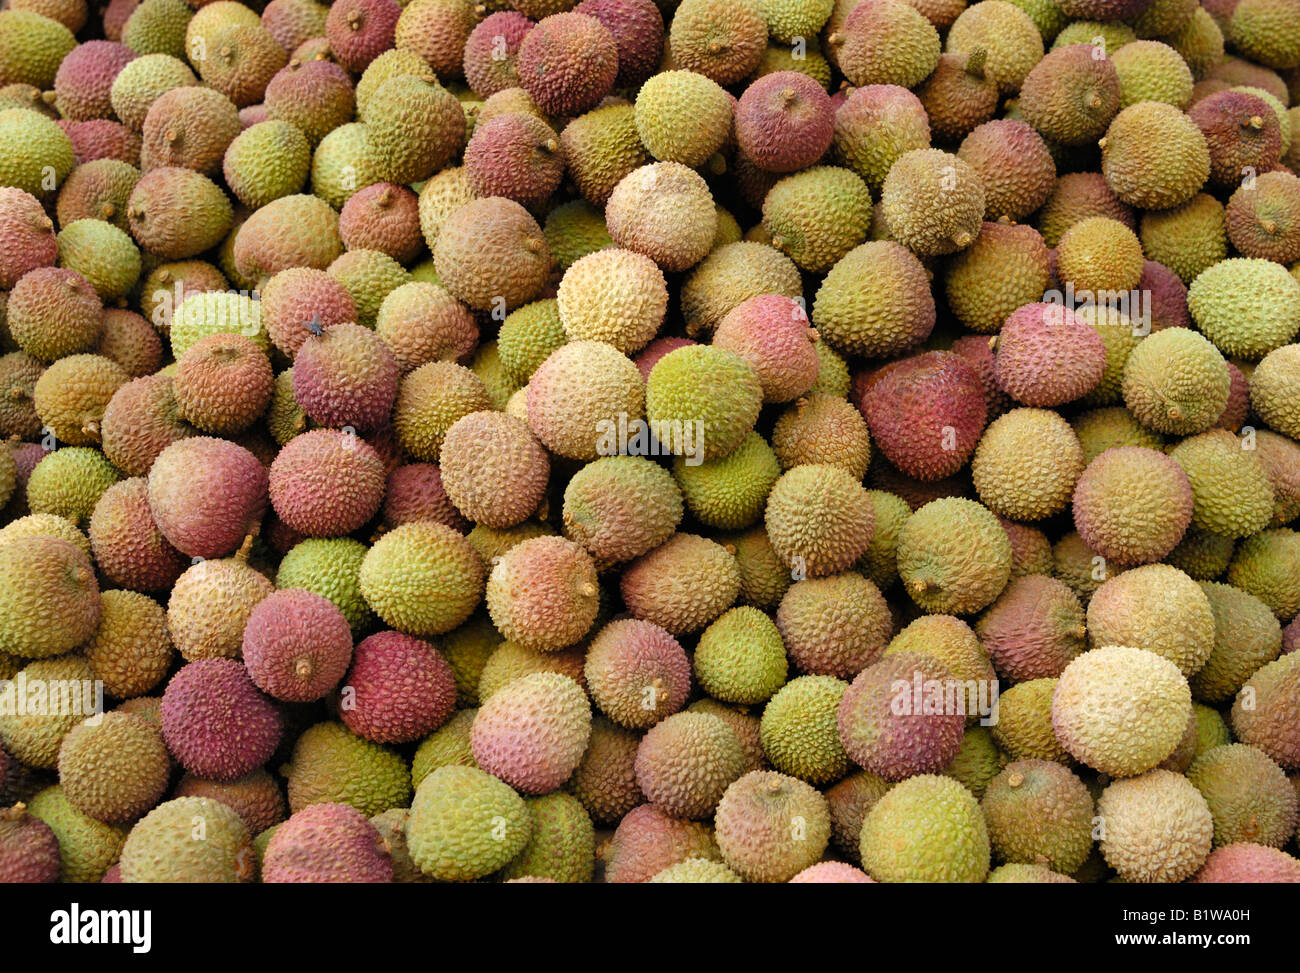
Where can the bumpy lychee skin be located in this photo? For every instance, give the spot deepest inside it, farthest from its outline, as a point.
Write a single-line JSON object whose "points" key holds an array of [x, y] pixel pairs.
{"points": [[567, 63], [129, 549], [29, 850], [1245, 862], [222, 384], [360, 30], [327, 483], [493, 469], [884, 726], [637, 673], [492, 50], [256, 798], [1034, 629], [771, 333], [206, 495], [820, 519], [784, 122], [297, 645], [685, 763], [346, 377], [295, 299], [543, 594], [1132, 505], [216, 723], [927, 413], [327, 843], [771, 826], [49, 598], [1095, 698], [532, 732], [415, 492], [516, 156], [399, 689], [26, 236], [1045, 356]]}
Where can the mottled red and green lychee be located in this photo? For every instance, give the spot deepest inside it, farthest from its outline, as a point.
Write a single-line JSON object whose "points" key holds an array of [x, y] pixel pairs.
{"points": [[543, 593], [637, 673], [637, 27], [26, 236], [1045, 356], [206, 495], [1034, 629], [327, 483], [29, 849], [515, 156], [297, 645], [886, 725], [771, 333], [491, 51], [567, 63], [345, 377], [361, 30], [686, 762], [784, 121], [222, 384], [129, 549], [296, 300], [532, 732], [1132, 505], [494, 470], [327, 843]]}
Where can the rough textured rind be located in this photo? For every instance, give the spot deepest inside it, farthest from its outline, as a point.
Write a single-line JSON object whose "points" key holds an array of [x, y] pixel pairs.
{"points": [[620, 507], [819, 519], [1247, 862], [189, 839], [1249, 796], [875, 301], [455, 819], [1095, 698], [296, 645], [1154, 157], [647, 841], [215, 721], [926, 829], [532, 732], [834, 626], [770, 826], [414, 561], [1263, 714], [953, 556], [332, 765], [1027, 464], [798, 731], [1046, 356], [1132, 505], [884, 729], [327, 843], [933, 202], [206, 494], [1034, 629], [197, 631], [1038, 812], [686, 762], [637, 673], [1158, 827]]}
